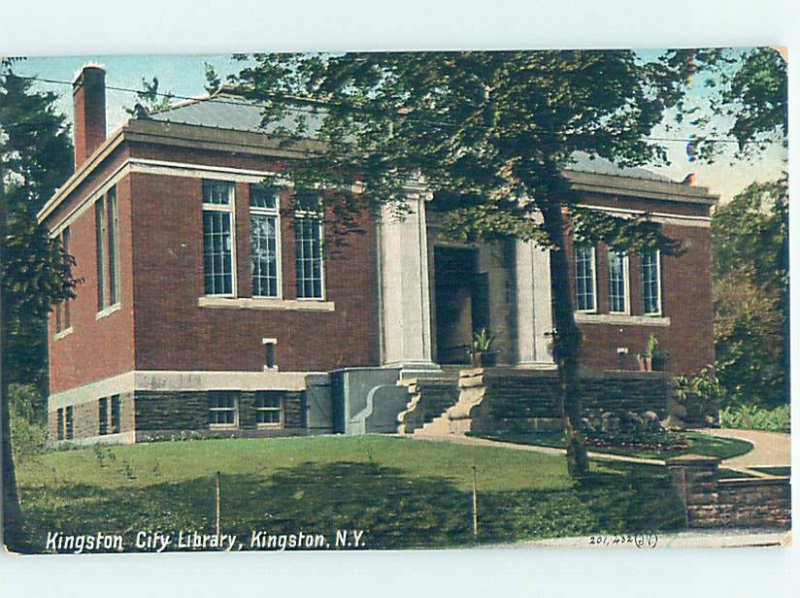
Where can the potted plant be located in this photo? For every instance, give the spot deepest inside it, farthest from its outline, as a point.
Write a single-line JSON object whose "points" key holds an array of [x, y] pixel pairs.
{"points": [[654, 358], [481, 349]]}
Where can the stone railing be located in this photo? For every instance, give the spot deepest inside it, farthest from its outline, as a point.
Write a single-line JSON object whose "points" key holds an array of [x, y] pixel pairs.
{"points": [[737, 502]]}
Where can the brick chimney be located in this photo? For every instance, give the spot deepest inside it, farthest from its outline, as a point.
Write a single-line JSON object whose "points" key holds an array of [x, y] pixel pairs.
{"points": [[89, 99]]}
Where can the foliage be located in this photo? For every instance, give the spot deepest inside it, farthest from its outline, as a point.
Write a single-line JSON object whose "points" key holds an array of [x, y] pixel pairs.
{"points": [[701, 395], [752, 417], [150, 99], [749, 89], [481, 341], [35, 157], [750, 234], [28, 429], [489, 133], [213, 81], [403, 493], [757, 97], [751, 295], [629, 430]]}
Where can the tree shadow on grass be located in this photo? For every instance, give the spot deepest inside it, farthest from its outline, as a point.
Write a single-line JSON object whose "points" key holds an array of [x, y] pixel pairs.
{"points": [[394, 508]]}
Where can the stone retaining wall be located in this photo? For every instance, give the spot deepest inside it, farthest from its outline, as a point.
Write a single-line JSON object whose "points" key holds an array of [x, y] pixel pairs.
{"points": [[713, 502], [526, 400]]}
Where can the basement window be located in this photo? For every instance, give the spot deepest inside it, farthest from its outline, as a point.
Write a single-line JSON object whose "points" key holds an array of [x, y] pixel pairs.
{"points": [[221, 411], [115, 405], [60, 424], [70, 425], [269, 411], [102, 416]]}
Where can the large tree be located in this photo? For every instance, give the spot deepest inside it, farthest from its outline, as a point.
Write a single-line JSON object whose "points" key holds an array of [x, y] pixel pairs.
{"points": [[35, 157], [751, 233], [490, 133]]}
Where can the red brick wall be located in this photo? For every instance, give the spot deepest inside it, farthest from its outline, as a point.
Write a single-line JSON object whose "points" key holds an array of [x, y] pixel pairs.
{"points": [[174, 333], [96, 349], [686, 301]]}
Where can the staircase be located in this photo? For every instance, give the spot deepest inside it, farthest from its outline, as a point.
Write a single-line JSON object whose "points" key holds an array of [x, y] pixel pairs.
{"points": [[430, 399], [438, 426]]}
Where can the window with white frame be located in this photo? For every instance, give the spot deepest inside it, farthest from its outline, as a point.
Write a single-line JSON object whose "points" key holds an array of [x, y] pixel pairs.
{"points": [[101, 252], [617, 282], [651, 281], [308, 246], [269, 409], [585, 283], [62, 309], [106, 220], [221, 410], [264, 240], [218, 238], [112, 213]]}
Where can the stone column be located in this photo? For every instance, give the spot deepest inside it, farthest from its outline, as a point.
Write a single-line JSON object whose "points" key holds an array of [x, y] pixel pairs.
{"points": [[533, 299], [695, 480], [405, 292]]}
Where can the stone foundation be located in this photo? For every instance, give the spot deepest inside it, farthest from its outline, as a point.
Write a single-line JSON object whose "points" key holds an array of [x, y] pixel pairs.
{"points": [[156, 415]]}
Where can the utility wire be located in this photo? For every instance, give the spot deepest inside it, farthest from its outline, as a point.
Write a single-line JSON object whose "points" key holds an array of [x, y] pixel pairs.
{"points": [[292, 98]]}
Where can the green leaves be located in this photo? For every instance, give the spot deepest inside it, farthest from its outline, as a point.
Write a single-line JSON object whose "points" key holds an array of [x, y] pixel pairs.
{"points": [[35, 157], [497, 126], [633, 235], [751, 294]]}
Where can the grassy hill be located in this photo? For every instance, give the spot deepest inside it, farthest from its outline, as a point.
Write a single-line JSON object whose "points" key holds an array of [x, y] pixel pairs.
{"points": [[401, 492]]}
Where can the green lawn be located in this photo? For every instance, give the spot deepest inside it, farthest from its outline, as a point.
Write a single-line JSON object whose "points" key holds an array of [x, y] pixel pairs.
{"points": [[404, 493], [698, 444]]}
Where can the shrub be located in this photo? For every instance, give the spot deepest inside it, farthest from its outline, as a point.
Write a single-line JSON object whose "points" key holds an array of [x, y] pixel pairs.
{"points": [[629, 430], [752, 417], [28, 429], [700, 395]]}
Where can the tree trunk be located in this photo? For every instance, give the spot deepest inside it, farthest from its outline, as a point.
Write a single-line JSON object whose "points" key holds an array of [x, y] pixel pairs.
{"points": [[12, 514], [566, 343]]}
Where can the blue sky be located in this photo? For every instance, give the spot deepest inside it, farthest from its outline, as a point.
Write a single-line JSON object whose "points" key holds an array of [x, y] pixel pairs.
{"points": [[183, 75]]}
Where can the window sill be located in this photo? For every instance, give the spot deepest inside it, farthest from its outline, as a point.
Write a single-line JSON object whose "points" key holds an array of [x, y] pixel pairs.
{"points": [[223, 427], [621, 320], [107, 311], [266, 304], [269, 426], [63, 333]]}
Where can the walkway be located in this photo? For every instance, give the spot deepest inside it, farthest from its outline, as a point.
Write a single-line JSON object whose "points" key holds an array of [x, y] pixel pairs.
{"points": [[770, 449], [547, 450]]}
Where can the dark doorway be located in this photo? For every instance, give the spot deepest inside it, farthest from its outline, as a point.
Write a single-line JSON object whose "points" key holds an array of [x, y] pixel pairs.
{"points": [[462, 302]]}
